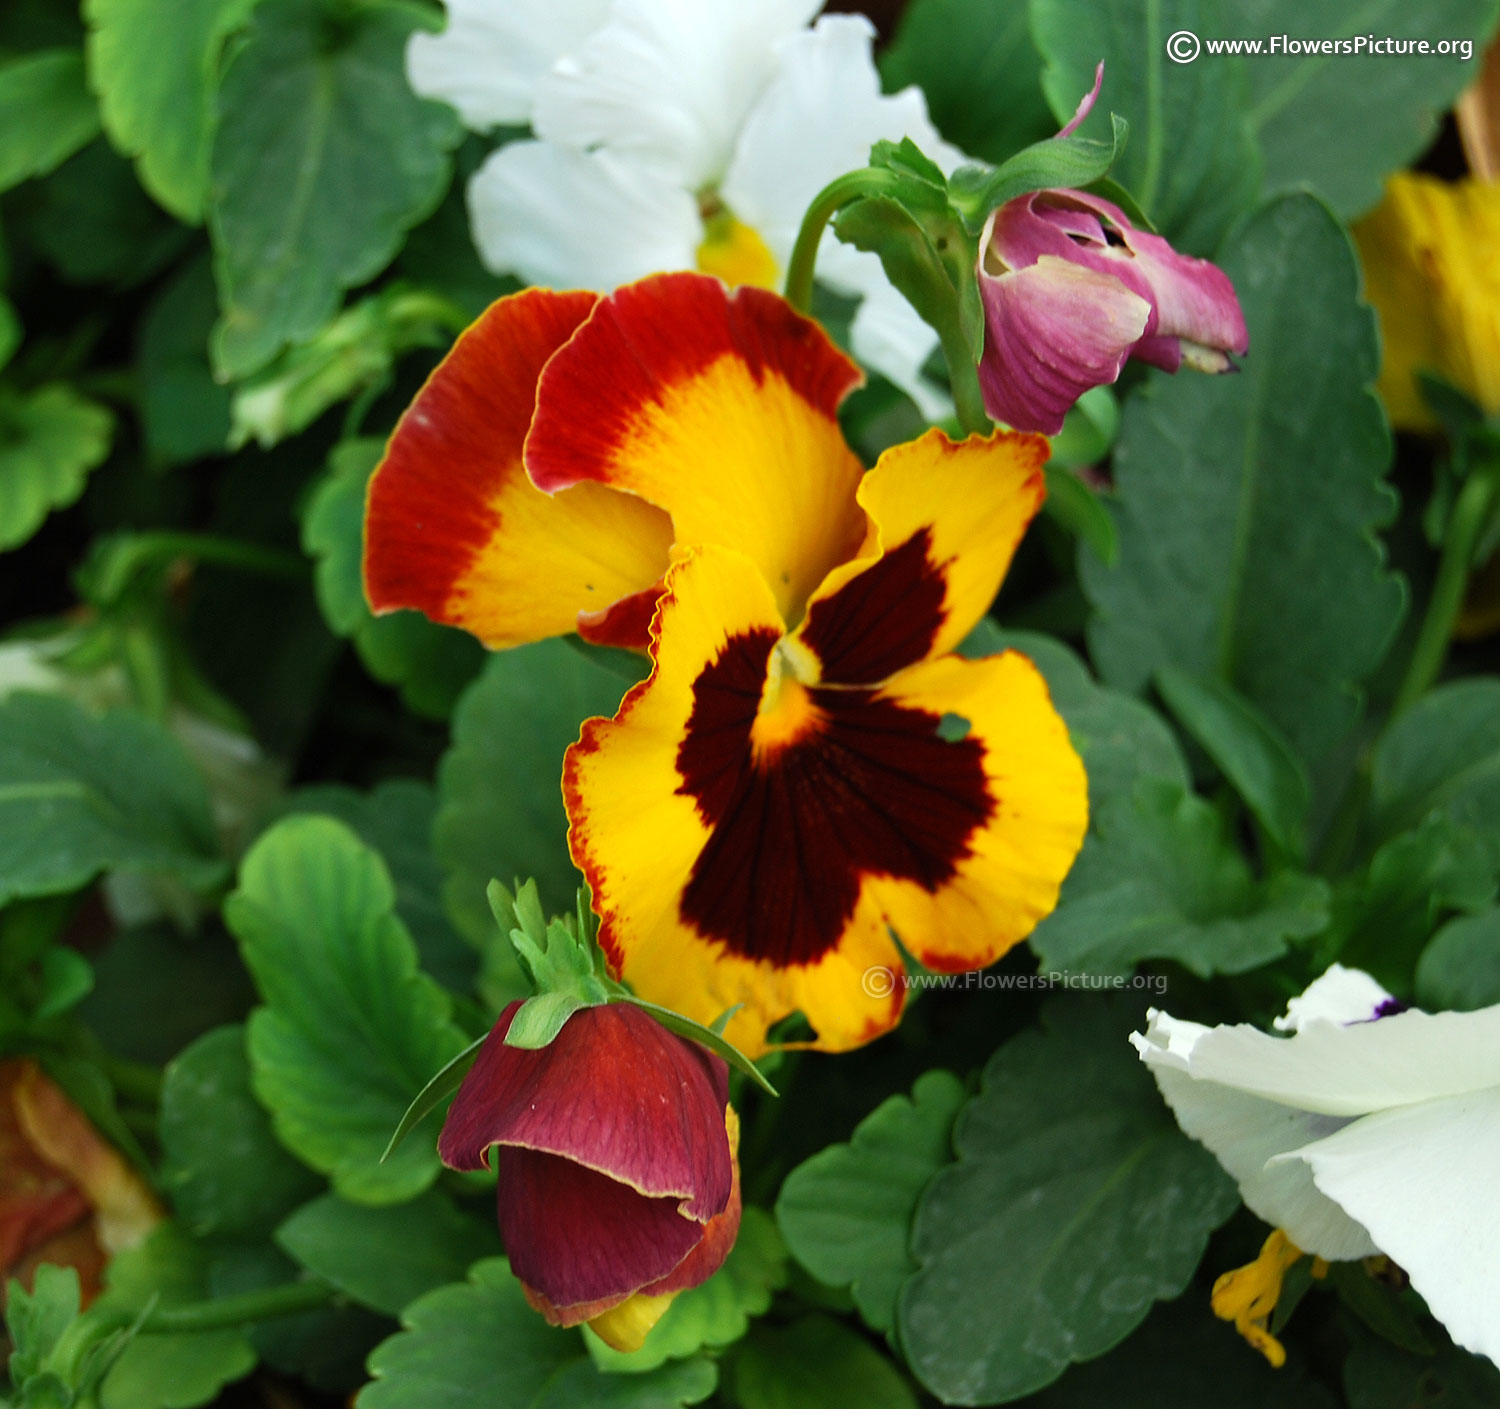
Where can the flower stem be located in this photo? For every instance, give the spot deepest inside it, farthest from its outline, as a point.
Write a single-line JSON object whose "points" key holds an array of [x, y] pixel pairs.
{"points": [[963, 380], [825, 205], [1471, 515], [226, 1312], [1477, 503]]}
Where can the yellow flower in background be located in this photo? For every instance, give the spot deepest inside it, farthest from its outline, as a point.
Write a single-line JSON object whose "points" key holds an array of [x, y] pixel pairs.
{"points": [[1431, 252]]}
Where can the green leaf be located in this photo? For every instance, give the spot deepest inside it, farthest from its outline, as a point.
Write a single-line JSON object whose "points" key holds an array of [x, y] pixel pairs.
{"points": [[222, 1167], [847, 1212], [1383, 919], [500, 810], [67, 978], [715, 1313], [1080, 511], [156, 70], [1378, 1375], [323, 158], [395, 818], [448, 1078], [49, 441], [1075, 1203], [980, 72], [1249, 750], [351, 1027], [174, 1370], [185, 412], [81, 794], [1119, 738], [156, 991], [1442, 755], [431, 664], [1340, 123], [46, 113], [11, 331], [1160, 881], [482, 1333], [1238, 560], [815, 1363], [1183, 1357], [1460, 969], [93, 223], [325, 1347], [1089, 430], [1192, 161], [385, 1258]]}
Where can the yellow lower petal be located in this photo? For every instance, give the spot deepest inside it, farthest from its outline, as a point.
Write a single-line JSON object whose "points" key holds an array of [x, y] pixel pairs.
{"points": [[947, 517], [626, 1326], [1017, 862]]}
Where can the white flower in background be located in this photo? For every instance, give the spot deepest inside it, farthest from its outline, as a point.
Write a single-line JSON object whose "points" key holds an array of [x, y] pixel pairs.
{"points": [[678, 134], [1353, 1136]]}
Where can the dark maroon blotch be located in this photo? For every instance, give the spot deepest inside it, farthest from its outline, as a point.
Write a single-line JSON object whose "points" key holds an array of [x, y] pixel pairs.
{"points": [[881, 621], [874, 790]]}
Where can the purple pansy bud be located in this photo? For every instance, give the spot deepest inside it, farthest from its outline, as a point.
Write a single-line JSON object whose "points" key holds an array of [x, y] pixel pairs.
{"points": [[1071, 289]]}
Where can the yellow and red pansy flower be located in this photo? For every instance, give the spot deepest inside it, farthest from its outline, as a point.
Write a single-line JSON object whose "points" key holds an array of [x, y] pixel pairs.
{"points": [[809, 768]]}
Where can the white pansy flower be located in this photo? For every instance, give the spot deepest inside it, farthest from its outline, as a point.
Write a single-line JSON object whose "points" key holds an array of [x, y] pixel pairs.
{"points": [[1356, 1135], [674, 134], [489, 59]]}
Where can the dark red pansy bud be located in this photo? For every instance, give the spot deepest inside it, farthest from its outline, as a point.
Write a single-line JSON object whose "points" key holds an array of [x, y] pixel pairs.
{"points": [[617, 1171]]}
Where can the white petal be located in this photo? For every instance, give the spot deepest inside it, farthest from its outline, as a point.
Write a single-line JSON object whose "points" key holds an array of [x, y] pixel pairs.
{"points": [[888, 335], [488, 60], [1243, 1133], [1423, 1181], [669, 81], [817, 119], [1341, 1070], [1340, 996], [567, 219]]}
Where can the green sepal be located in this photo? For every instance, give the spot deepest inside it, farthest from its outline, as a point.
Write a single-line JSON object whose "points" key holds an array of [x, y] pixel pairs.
{"points": [[562, 964], [927, 254], [447, 1080], [703, 1036], [538, 1020], [974, 191]]}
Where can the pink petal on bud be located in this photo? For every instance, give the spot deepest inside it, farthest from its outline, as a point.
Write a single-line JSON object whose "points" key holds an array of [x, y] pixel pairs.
{"points": [[1053, 331], [1086, 103]]}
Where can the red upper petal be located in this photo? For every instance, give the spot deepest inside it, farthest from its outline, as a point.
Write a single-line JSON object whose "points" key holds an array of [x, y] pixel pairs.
{"points": [[647, 339], [615, 1092], [431, 508]]}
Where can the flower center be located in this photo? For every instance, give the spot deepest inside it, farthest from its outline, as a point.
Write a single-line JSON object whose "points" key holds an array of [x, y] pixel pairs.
{"points": [[787, 711], [734, 252]]}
